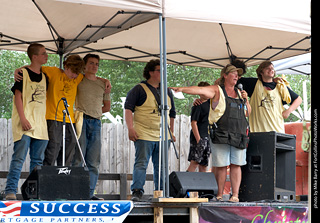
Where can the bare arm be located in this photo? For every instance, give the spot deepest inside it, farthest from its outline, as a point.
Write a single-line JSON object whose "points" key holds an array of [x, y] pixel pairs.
{"points": [[19, 104], [18, 77], [295, 104], [207, 91], [244, 95], [249, 108], [106, 106], [108, 85], [129, 121], [195, 130], [172, 128]]}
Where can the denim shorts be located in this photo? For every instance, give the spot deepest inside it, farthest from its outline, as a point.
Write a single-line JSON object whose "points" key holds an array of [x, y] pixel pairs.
{"points": [[224, 155]]}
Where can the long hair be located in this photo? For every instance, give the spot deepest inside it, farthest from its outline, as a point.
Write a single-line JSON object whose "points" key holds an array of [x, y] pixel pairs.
{"points": [[261, 67], [74, 63]]}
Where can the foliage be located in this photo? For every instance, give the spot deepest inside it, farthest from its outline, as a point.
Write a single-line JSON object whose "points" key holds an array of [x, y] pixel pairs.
{"points": [[124, 75]]}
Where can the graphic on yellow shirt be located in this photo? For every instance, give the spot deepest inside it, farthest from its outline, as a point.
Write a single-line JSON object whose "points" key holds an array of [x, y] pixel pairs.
{"points": [[38, 94], [267, 102], [67, 84]]}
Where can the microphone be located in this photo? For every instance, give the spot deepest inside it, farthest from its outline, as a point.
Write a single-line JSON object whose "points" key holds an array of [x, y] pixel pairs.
{"points": [[240, 87], [65, 104]]}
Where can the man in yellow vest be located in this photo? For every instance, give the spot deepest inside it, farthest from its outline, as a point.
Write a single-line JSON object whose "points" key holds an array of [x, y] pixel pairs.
{"points": [[29, 126], [143, 120]]}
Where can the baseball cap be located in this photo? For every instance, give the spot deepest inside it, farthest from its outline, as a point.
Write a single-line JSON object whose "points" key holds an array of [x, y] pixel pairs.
{"points": [[229, 68]]}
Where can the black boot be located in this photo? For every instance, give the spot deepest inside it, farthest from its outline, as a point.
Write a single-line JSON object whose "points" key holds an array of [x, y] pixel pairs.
{"points": [[136, 194]]}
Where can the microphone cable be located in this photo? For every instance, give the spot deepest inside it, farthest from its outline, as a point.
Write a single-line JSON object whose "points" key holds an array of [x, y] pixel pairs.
{"points": [[55, 117]]}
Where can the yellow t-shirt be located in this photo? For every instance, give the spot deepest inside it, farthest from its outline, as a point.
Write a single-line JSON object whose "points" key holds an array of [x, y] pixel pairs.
{"points": [[60, 86], [267, 108]]}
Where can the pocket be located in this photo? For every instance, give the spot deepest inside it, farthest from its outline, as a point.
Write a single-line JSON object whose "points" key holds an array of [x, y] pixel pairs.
{"points": [[220, 137], [199, 143], [244, 142], [212, 131], [234, 111], [234, 139]]}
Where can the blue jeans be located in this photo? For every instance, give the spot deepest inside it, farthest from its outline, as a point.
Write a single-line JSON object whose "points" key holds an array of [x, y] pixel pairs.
{"points": [[20, 150], [145, 150], [90, 142]]}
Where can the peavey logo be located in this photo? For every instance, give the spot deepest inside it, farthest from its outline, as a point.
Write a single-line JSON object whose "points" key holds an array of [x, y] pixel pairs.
{"points": [[64, 170]]}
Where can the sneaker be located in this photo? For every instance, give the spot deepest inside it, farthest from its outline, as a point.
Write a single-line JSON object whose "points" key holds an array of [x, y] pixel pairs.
{"points": [[11, 197], [136, 194], [94, 198]]}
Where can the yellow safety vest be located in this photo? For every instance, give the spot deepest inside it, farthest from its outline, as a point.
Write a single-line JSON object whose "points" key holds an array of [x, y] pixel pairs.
{"points": [[146, 119], [34, 107]]}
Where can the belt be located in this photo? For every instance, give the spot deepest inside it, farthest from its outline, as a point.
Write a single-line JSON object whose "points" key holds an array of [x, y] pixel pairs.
{"points": [[88, 117]]}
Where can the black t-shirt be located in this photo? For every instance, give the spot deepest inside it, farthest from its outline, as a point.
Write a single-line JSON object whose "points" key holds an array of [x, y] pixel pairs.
{"points": [[33, 77], [137, 96], [200, 114], [249, 84]]}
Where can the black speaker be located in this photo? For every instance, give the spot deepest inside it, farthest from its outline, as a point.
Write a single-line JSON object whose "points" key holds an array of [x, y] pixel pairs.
{"points": [[57, 182], [270, 173], [182, 182]]}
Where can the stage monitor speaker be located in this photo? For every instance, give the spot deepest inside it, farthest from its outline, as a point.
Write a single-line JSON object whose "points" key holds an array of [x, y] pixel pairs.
{"points": [[56, 183], [182, 182], [270, 173]]}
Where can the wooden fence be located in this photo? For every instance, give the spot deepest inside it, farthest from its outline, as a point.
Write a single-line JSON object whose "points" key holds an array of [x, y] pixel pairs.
{"points": [[117, 154]]}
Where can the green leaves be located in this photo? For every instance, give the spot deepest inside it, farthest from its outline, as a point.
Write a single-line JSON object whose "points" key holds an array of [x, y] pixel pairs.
{"points": [[124, 75]]}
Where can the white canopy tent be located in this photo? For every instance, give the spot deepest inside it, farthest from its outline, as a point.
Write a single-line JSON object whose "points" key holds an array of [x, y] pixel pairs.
{"points": [[199, 33], [300, 64], [64, 26], [206, 33]]}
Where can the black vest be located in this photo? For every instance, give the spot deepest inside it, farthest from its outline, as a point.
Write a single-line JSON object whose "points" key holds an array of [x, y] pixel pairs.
{"points": [[232, 128]]}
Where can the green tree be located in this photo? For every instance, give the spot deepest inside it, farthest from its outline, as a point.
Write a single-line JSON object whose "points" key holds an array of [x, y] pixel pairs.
{"points": [[124, 75]]}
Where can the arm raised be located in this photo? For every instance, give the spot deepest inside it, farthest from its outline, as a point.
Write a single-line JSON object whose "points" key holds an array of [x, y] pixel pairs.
{"points": [[207, 91]]}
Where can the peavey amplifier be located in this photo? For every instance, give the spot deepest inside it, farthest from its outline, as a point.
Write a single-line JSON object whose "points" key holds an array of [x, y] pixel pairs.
{"points": [[57, 183], [182, 182]]}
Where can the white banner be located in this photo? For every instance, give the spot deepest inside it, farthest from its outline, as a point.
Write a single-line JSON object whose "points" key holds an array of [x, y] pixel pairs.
{"points": [[64, 211]]}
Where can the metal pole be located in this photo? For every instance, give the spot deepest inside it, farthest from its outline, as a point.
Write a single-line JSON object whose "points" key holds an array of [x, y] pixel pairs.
{"points": [[166, 108], [64, 139], [61, 61], [161, 111]]}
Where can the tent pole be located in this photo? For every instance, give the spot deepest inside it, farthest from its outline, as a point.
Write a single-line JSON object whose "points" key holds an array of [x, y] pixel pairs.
{"points": [[166, 108], [163, 144], [60, 61], [161, 141]]}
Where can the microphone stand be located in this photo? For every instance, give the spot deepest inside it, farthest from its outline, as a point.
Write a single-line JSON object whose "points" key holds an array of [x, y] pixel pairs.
{"points": [[64, 137], [66, 112]]}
